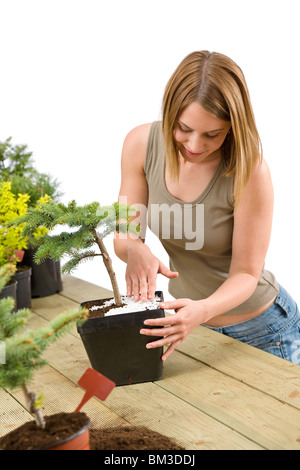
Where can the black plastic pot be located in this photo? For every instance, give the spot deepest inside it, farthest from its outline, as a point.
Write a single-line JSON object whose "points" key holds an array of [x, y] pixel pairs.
{"points": [[116, 348], [10, 291], [45, 277], [22, 276]]}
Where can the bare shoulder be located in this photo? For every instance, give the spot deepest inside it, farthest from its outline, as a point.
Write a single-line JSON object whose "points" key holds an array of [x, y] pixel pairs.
{"points": [[140, 132], [133, 181], [258, 192], [260, 179], [262, 170], [135, 143]]}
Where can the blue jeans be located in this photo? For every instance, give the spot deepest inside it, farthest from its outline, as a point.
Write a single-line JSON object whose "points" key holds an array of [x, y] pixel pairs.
{"points": [[276, 330]]}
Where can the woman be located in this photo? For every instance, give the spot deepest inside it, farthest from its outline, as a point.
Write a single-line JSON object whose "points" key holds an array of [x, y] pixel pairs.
{"points": [[201, 172]]}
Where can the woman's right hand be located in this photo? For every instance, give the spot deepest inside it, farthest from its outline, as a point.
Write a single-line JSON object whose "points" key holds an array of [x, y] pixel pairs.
{"points": [[141, 272]]}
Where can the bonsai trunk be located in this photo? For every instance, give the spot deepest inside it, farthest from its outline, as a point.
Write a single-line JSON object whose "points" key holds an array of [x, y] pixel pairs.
{"points": [[30, 402], [108, 265]]}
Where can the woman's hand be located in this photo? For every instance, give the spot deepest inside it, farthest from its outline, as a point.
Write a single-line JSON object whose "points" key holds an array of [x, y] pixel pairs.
{"points": [[175, 328], [141, 272]]}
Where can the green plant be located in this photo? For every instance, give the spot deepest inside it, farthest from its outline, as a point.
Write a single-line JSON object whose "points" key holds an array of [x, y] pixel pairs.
{"points": [[88, 225], [14, 160], [12, 241], [17, 166], [23, 350], [11, 238]]}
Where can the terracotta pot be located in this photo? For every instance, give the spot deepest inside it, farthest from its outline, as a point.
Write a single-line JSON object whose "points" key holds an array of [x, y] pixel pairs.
{"points": [[20, 255], [29, 437], [79, 441]]}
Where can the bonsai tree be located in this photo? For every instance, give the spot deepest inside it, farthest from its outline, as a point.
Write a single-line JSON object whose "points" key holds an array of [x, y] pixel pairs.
{"points": [[17, 167], [23, 351], [87, 226]]}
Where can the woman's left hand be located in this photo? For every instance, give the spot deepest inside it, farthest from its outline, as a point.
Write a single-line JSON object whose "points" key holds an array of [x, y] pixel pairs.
{"points": [[174, 328]]}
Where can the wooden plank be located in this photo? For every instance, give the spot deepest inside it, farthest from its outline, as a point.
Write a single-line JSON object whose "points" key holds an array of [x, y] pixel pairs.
{"points": [[80, 291], [259, 369], [169, 416], [247, 411], [206, 346], [49, 310], [147, 404], [260, 417], [59, 395], [12, 413], [49, 307], [213, 346], [272, 375], [67, 354]]}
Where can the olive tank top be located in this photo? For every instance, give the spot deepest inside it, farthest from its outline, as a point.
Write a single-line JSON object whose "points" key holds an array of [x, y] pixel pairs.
{"points": [[198, 235]]}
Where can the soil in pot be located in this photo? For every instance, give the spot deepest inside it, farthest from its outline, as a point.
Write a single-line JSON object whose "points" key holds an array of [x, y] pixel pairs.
{"points": [[114, 344], [130, 438], [60, 428]]}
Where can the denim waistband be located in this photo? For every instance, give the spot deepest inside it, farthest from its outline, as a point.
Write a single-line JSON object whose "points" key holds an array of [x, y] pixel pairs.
{"points": [[283, 299]]}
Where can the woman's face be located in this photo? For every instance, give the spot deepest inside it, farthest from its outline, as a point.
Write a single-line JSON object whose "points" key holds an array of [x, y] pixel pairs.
{"points": [[198, 134]]}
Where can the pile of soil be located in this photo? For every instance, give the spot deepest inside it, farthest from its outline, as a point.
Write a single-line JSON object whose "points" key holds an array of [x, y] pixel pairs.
{"points": [[130, 438], [58, 427], [61, 425]]}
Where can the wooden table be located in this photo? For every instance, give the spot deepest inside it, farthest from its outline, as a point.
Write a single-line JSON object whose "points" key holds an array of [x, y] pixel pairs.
{"points": [[216, 393]]}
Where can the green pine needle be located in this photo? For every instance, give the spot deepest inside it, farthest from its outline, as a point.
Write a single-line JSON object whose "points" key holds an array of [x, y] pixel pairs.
{"points": [[24, 348]]}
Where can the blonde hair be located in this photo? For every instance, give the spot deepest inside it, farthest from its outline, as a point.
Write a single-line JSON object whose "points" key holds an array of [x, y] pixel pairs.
{"points": [[215, 82]]}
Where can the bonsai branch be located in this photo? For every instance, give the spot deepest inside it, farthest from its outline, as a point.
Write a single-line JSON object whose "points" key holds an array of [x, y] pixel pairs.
{"points": [[30, 398], [108, 264]]}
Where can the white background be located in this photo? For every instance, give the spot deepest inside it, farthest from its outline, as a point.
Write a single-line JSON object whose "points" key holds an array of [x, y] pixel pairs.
{"points": [[77, 75]]}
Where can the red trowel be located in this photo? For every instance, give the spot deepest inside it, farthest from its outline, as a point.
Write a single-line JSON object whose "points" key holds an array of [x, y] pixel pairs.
{"points": [[95, 385]]}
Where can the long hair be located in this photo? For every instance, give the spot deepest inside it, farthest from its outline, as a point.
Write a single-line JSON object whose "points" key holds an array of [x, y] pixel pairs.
{"points": [[215, 82]]}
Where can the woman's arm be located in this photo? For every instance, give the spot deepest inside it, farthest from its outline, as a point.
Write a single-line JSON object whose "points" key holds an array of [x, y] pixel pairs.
{"points": [[251, 236], [133, 188], [142, 265]]}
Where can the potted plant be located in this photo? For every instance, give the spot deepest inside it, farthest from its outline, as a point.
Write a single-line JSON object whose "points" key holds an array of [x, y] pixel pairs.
{"points": [[17, 167], [13, 244], [23, 351], [111, 338]]}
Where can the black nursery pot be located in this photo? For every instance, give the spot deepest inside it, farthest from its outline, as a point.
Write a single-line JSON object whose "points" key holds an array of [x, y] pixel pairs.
{"points": [[10, 290], [116, 348], [45, 277], [23, 278]]}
